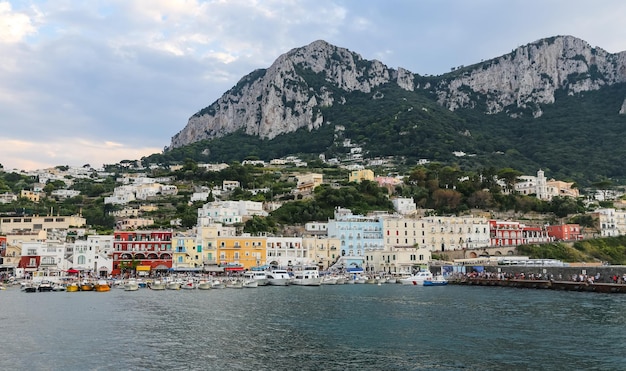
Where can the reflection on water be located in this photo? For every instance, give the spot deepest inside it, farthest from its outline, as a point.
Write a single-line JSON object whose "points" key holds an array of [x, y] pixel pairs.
{"points": [[388, 327]]}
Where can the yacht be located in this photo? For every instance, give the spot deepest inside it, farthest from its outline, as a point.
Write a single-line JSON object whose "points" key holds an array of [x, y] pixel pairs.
{"points": [[307, 276], [259, 276], [278, 277]]}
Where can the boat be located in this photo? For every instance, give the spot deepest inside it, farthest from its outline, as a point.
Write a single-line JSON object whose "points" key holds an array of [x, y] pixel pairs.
{"points": [[28, 287], [329, 280], [204, 285], [157, 285], [417, 279], [234, 284], [58, 287], [188, 285], [217, 284], [250, 283], [86, 286], [278, 277], [44, 286], [307, 276], [72, 287], [102, 286], [259, 276], [173, 285], [438, 280], [131, 285]]}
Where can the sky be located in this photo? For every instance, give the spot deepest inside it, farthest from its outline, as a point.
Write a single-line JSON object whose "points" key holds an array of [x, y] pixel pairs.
{"points": [[100, 81]]}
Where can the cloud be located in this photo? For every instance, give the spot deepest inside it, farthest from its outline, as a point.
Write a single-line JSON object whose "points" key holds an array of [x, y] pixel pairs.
{"points": [[80, 74], [14, 26], [30, 155]]}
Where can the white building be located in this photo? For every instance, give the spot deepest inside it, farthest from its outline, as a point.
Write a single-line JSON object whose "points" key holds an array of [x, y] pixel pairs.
{"points": [[404, 206], [286, 252]]}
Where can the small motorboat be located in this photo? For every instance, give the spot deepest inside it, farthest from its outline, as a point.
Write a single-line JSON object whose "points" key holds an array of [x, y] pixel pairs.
{"points": [[436, 281]]}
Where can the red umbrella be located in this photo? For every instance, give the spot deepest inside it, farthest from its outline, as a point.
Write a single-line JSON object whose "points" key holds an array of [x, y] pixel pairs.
{"points": [[73, 271]]}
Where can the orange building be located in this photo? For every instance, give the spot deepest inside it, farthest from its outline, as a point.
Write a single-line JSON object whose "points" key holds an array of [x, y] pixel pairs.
{"points": [[238, 253]]}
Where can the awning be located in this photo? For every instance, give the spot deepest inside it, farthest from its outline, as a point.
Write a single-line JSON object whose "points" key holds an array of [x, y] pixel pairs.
{"points": [[161, 267], [73, 271], [213, 268], [143, 268], [233, 269]]}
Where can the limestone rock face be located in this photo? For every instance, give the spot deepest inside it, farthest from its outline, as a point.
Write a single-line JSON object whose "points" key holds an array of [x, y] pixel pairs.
{"points": [[289, 94], [531, 74], [280, 100]]}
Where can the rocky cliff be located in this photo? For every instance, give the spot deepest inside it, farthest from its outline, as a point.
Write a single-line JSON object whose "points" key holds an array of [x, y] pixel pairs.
{"points": [[289, 94]]}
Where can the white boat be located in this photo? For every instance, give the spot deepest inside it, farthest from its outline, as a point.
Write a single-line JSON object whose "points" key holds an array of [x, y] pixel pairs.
{"points": [[173, 285], [307, 276], [188, 285], [157, 285], [259, 276], [329, 280], [250, 283], [131, 285], [417, 279], [217, 284], [204, 285], [278, 277], [234, 284]]}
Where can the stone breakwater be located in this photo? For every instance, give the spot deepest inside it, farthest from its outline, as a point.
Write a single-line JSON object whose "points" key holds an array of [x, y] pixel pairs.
{"points": [[608, 288]]}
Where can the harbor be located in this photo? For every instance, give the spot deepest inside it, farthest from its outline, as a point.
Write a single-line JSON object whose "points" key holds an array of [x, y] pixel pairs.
{"points": [[329, 327]]}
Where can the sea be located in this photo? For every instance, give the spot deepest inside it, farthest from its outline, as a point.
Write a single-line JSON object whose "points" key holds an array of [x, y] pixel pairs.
{"points": [[333, 327]]}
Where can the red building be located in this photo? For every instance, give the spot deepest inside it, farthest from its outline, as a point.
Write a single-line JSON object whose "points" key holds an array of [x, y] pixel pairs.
{"points": [[142, 251], [508, 233], [565, 232]]}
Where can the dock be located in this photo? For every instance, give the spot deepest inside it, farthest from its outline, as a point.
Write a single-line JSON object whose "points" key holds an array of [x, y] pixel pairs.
{"points": [[607, 288]]}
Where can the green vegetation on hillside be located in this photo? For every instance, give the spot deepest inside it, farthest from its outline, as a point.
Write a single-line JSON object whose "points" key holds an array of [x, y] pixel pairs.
{"points": [[611, 250]]}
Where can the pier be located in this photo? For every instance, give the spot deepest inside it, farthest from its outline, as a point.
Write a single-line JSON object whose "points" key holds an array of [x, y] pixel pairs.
{"points": [[608, 288]]}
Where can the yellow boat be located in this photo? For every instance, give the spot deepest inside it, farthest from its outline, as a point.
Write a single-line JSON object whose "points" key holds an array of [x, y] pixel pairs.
{"points": [[102, 286], [72, 287], [86, 286]]}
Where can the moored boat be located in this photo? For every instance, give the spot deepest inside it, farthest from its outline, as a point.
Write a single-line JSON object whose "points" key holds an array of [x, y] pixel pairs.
{"points": [[417, 279], [234, 284], [307, 276], [157, 285], [436, 281], [72, 287], [204, 285], [44, 286], [86, 286], [102, 286], [259, 276], [131, 285], [250, 283], [188, 285], [278, 277]]}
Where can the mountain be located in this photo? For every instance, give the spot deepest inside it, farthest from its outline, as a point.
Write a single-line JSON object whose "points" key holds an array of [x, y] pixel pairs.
{"points": [[556, 103]]}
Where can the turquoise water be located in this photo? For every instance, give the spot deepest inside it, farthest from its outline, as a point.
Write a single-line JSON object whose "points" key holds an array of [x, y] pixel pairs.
{"points": [[346, 327]]}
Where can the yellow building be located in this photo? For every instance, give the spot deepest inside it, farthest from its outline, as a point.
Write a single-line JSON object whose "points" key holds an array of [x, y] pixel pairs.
{"points": [[30, 195], [237, 253], [324, 251], [37, 223], [308, 182], [186, 254], [361, 175]]}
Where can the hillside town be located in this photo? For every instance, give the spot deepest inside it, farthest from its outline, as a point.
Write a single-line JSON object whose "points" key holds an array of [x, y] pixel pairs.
{"points": [[394, 243]]}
